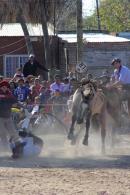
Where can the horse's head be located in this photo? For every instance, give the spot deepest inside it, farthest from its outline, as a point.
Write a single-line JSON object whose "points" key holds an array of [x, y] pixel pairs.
{"points": [[87, 91]]}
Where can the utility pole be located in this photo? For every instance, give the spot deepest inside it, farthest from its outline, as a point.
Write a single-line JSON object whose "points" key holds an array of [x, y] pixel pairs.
{"points": [[79, 32], [54, 23], [98, 15]]}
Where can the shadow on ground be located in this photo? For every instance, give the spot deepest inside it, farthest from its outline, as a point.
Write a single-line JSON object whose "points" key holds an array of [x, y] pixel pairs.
{"points": [[107, 162]]}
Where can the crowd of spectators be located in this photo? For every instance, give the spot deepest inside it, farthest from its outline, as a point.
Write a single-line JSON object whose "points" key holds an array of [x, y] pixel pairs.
{"points": [[28, 89]]}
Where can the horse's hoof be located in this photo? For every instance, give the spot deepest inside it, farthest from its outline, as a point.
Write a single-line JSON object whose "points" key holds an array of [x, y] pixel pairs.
{"points": [[85, 142], [70, 136], [73, 141]]}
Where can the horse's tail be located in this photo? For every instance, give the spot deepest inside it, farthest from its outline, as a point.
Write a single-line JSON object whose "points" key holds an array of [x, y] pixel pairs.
{"points": [[95, 122]]}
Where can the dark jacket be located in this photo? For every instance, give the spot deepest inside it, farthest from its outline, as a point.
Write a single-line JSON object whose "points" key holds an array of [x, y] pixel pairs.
{"points": [[6, 102], [31, 69]]}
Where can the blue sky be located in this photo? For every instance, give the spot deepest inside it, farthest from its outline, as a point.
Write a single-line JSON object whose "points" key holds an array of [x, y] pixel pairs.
{"points": [[88, 6]]}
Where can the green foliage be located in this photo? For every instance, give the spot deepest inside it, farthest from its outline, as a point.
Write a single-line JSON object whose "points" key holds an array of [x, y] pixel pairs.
{"points": [[114, 16], [90, 23]]}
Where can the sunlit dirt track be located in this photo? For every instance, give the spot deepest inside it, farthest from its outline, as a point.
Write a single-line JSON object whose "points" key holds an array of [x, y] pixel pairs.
{"points": [[69, 170]]}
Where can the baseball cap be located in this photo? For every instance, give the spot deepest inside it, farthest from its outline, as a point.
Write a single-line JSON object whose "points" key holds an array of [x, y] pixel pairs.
{"points": [[115, 60], [31, 55]]}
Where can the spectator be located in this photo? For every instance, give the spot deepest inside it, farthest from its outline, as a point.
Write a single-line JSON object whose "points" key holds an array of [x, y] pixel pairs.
{"points": [[12, 86], [44, 96], [57, 85], [37, 84], [6, 124], [21, 92], [30, 67], [67, 87], [33, 93], [18, 75]]}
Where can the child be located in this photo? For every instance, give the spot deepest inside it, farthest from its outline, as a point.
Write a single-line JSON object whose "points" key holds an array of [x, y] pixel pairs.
{"points": [[18, 75]]}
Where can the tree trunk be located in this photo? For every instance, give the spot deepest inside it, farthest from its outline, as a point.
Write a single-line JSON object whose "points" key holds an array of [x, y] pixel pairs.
{"points": [[46, 36], [79, 31], [21, 20]]}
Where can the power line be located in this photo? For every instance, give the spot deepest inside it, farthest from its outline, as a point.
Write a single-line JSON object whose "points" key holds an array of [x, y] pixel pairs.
{"points": [[12, 43], [13, 51]]}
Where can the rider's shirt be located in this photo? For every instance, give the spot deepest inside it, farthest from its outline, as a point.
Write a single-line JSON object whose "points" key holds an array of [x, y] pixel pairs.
{"points": [[123, 75]]}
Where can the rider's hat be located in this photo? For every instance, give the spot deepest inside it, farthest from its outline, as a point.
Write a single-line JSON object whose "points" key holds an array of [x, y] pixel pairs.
{"points": [[31, 56], [115, 60], [84, 81]]}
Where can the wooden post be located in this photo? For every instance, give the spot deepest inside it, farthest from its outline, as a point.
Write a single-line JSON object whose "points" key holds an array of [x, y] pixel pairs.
{"points": [[98, 16], [79, 32]]}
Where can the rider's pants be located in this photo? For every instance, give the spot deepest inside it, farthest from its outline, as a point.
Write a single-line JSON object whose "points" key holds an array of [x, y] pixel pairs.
{"points": [[7, 128]]}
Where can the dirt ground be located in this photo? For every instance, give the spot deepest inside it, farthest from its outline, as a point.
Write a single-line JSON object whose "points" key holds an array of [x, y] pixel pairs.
{"points": [[63, 169]]}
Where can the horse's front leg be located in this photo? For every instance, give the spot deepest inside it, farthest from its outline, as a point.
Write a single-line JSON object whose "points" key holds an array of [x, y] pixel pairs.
{"points": [[71, 130], [85, 140]]}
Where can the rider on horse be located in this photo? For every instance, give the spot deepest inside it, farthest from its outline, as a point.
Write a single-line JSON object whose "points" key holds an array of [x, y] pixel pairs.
{"points": [[121, 78]]}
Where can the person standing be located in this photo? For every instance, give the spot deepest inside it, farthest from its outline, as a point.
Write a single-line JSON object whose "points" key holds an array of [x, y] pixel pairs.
{"points": [[21, 92], [57, 85], [7, 127], [30, 67]]}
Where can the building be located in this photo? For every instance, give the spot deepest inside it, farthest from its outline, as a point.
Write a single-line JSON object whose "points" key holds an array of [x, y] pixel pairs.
{"points": [[98, 50], [13, 50]]}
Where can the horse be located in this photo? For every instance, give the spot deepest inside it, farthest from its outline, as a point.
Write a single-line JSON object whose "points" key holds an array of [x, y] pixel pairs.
{"points": [[91, 104]]}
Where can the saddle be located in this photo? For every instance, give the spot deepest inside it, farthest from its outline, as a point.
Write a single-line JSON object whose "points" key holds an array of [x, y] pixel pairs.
{"points": [[98, 103]]}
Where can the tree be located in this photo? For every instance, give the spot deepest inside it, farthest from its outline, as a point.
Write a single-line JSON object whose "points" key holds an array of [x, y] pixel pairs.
{"points": [[34, 11], [114, 16], [11, 12]]}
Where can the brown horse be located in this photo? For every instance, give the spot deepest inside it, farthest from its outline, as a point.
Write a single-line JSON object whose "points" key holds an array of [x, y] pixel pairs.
{"points": [[92, 104]]}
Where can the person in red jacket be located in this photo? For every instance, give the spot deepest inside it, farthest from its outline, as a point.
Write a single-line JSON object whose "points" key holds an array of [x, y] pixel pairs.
{"points": [[7, 127]]}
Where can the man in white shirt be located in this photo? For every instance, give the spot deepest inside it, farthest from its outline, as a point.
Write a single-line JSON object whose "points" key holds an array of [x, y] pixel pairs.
{"points": [[121, 73], [121, 77], [57, 85]]}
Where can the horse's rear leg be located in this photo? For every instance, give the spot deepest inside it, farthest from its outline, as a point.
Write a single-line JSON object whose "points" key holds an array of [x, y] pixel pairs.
{"points": [[71, 130], [113, 135], [103, 136], [85, 140], [103, 132]]}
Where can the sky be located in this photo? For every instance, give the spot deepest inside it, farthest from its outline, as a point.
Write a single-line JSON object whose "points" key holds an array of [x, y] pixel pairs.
{"points": [[88, 7]]}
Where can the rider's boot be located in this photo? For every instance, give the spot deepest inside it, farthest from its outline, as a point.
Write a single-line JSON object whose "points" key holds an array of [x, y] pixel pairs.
{"points": [[17, 149]]}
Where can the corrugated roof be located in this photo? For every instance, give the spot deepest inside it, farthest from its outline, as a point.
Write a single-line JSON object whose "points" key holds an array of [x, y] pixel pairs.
{"points": [[93, 37], [15, 29], [124, 34]]}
